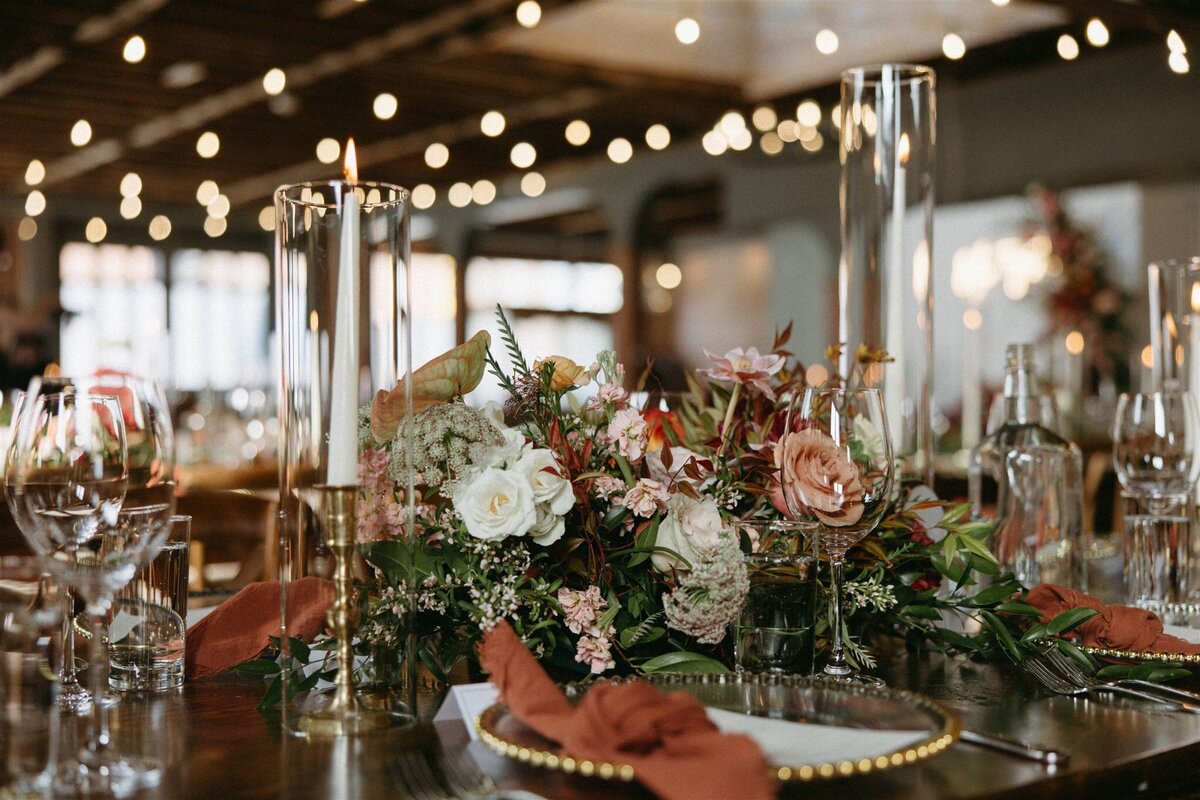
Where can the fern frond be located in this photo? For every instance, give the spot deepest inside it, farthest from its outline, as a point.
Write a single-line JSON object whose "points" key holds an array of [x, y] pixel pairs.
{"points": [[643, 630], [510, 342]]}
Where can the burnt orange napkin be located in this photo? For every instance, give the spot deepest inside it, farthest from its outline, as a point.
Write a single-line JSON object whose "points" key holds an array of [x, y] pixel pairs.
{"points": [[239, 629], [1116, 627], [673, 747]]}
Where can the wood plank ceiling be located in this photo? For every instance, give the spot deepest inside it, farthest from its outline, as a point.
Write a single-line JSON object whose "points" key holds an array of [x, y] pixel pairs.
{"points": [[61, 61]]}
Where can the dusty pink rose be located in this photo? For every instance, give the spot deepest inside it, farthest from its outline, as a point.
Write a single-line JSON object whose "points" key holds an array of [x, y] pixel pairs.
{"points": [[745, 366], [595, 650], [815, 473], [628, 431], [580, 609], [646, 497]]}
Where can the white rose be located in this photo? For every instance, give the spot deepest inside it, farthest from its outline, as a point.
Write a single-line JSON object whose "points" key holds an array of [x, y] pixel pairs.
{"points": [[496, 503], [692, 528], [547, 486], [494, 412], [872, 440], [508, 453], [549, 527]]}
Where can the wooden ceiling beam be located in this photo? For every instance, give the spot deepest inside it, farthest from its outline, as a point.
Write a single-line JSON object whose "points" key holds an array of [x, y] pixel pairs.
{"points": [[1155, 16]]}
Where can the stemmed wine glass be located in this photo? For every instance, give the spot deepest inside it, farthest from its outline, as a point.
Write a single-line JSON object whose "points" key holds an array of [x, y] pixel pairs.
{"points": [[1154, 446], [836, 470], [95, 521]]}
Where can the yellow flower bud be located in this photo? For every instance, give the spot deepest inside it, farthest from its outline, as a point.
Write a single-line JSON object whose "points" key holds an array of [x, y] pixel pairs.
{"points": [[567, 374]]}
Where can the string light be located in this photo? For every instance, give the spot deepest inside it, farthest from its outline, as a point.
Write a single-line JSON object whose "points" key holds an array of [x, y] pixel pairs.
{"points": [[27, 229], [81, 133], [658, 137], [1068, 48], [35, 203], [687, 31], [578, 132], [533, 184], [1178, 62], [35, 173], [274, 81], [483, 192], [385, 105], [95, 231], [266, 218], [131, 184], [741, 140], [134, 50], [328, 150], [714, 143], [218, 207], [808, 113], [1175, 42], [764, 118], [215, 226], [620, 150], [459, 195], [131, 206], [437, 155], [1097, 33], [522, 155], [771, 144], [827, 42], [668, 275], [208, 144], [953, 46], [492, 124], [423, 196], [529, 14], [206, 191], [160, 228]]}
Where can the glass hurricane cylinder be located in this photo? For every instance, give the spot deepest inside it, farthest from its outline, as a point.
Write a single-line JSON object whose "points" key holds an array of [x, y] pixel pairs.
{"points": [[885, 289], [343, 257], [1174, 293]]}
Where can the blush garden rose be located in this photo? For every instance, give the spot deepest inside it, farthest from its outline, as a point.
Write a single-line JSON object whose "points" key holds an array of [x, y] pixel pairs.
{"points": [[818, 475]]}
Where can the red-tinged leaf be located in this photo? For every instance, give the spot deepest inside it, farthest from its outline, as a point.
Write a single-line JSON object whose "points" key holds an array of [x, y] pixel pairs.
{"points": [[667, 459], [686, 488], [692, 471]]}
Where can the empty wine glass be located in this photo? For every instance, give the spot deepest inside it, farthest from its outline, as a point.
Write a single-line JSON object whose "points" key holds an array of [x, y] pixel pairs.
{"points": [[836, 469], [70, 475], [1154, 446]]}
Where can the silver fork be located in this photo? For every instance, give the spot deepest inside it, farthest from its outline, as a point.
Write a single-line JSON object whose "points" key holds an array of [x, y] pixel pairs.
{"points": [[418, 778], [1047, 673], [469, 782], [1076, 673]]}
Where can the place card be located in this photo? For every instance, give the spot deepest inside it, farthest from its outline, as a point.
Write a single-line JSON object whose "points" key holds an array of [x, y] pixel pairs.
{"points": [[466, 702]]}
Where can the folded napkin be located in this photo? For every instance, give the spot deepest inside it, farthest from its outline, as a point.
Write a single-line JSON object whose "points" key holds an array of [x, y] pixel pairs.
{"points": [[239, 629], [668, 739], [1116, 627]]}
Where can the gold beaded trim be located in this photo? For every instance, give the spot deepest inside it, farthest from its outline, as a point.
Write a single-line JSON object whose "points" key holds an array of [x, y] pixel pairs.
{"points": [[485, 725], [1104, 652]]}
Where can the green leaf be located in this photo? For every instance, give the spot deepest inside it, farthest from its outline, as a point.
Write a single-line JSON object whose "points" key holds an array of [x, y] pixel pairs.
{"points": [[683, 662], [393, 557], [1019, 608], [1073, 652], [1003, 636], [1070, 619], [299, 649], [259, 666], [645, 543], [991, 595], [978, 548], [921, 612], [273, 694]]}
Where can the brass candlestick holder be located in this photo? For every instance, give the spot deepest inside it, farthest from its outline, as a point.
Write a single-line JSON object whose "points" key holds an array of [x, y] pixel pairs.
{"points": [[344, 715]]}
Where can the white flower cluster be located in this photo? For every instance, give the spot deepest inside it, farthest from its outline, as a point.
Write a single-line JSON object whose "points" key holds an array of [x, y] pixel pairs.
{"points": [[514, 490], [710, 596], [869, 594]]}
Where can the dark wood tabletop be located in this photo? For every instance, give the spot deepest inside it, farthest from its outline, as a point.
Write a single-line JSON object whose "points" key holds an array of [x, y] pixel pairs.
{"points": [[216, 745]]}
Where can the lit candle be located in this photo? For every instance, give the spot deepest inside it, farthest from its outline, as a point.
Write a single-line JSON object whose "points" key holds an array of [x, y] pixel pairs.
{"points": [[894, 387], [343, 413], [314, 388]]}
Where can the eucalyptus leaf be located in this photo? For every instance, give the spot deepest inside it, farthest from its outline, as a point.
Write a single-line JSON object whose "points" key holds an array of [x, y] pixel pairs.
{"points": [[683, 662]]}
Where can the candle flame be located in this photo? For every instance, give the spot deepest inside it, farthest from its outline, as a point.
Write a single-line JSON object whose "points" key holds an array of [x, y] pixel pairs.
{"points": [[312, 321], [903, 148], [1147, 357], [1196, 297], [350, 165], [1075, 343]]}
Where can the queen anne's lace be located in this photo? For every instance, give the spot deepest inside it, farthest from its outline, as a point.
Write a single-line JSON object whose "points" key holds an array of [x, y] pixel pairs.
{"points": [[710, 595], [446, 438]]}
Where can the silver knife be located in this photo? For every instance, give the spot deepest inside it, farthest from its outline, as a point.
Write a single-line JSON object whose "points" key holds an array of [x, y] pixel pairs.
{"points": [[1013, 747]]}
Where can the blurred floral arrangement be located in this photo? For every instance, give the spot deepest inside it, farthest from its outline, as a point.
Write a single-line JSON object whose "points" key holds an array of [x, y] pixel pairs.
{"points": [[1083, 297], [606, 531]]}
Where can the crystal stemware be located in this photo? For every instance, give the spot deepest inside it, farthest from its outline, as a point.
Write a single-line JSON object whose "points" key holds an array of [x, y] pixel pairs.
{"points": [[71, 475], [836, 470], [1154, 446]]}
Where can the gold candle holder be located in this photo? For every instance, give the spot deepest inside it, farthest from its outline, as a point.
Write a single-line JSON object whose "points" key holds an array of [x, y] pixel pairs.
{"points": [[344, 715]]}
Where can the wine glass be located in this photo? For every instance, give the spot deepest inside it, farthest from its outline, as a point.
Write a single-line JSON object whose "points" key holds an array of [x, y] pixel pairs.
{"points": [[836, 470], [1154, 446], [71, 477]]}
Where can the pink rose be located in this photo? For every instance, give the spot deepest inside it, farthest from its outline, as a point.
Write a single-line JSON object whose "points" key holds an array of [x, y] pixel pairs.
{"points": [[646, 497], [818, 475]]}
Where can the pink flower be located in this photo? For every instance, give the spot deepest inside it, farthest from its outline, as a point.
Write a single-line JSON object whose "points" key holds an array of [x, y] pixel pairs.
{"points": [[606, 486], [372, 469], [595, 650], [581, 608], [818, 475], [745, 366], [609, 394], [646, 497], [628, 431]]}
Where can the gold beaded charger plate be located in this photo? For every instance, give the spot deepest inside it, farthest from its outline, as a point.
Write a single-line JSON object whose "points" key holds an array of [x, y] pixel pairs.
{"points": [[1186, 633], [809, 728]]}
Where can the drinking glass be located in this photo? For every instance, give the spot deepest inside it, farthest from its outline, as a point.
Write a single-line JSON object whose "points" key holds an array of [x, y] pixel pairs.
{"points": [[1154, 446], [836, 470], [71, 475]]}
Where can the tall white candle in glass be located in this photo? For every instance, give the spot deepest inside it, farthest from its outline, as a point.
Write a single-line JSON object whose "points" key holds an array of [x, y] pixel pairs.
{"points": [[972, 403], [894, 388], [343, 412]]}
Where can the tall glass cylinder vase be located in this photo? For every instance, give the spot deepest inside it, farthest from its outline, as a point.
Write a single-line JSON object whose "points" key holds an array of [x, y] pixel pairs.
{"points": [[885, 288], [1174, 291], [342, 315]]}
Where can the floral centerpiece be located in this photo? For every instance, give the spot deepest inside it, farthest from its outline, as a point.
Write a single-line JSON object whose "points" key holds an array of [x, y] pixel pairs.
{"points": [[605, 530]]}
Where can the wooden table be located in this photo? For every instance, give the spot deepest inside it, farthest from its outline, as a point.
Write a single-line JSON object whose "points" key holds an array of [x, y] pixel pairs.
{"points": [[216, 745]]}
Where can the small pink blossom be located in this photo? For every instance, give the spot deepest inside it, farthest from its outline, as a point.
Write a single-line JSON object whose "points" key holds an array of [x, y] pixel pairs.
{"points": [[646, 497], [745, 366], [609, 394], [372, 469], [595, 650], [580, 609], [606, 486], [628, 431]]}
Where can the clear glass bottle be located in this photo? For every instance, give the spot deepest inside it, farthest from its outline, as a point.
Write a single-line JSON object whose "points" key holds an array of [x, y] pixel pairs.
{"points": [[1037, 479]]}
